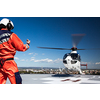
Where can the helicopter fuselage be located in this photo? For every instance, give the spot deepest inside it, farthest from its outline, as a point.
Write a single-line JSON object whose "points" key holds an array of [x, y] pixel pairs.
{"points": [[72, 61]]}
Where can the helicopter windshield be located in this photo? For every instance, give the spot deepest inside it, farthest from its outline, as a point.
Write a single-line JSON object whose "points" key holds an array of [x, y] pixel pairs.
{"points": [[67, 54], [74, 55]]}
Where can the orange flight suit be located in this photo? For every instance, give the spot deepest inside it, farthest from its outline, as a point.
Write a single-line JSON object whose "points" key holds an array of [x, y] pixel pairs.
{"points": [[9, 43]]}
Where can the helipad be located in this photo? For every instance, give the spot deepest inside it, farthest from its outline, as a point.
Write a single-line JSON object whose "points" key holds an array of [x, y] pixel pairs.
{"points": [[63, 79]]}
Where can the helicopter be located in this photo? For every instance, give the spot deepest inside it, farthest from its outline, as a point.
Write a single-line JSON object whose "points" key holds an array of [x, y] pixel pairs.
{"points": [[72, 60]]}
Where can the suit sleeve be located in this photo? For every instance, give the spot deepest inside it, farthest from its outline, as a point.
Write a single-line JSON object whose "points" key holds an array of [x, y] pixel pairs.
{"points": [[18, 44]]}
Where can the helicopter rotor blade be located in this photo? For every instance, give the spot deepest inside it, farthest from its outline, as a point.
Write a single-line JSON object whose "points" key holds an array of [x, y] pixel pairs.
{"points": [[76, 39], [54, 48], [68, 49], [92, 49], [81, 49]]}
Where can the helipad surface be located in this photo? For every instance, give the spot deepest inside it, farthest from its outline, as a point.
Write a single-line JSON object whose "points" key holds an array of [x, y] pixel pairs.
{"points": [[52, 79]]}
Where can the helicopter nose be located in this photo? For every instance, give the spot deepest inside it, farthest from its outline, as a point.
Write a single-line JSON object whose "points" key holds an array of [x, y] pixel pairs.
{"points": [[73, 62]]}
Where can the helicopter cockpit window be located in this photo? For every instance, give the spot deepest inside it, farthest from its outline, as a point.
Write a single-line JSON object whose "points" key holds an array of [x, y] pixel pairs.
{"points": [[67, 54], [74, 55]]}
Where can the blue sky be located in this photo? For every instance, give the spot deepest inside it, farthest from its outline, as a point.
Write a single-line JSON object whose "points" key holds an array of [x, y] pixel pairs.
{"points": [[56, 32]]}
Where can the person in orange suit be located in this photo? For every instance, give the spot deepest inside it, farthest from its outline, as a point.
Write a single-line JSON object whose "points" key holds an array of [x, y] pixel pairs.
{"points": [[9, 44]]}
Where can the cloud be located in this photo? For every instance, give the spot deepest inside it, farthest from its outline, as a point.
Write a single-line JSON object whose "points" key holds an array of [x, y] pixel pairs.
{"points": [[97, 63], [57, 60], [22, 60], [43, 53], [32, 59], [86, 62], [16, 58], [35, 54], [47, 60], [30, 53], [44, 60]]}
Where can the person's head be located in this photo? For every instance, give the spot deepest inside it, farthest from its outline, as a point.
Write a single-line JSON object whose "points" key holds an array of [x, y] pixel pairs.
{"points": [[6, 23]]}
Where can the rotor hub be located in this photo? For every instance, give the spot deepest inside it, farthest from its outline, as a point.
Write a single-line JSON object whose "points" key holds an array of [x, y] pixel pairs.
{"points": [[73, 48]]}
